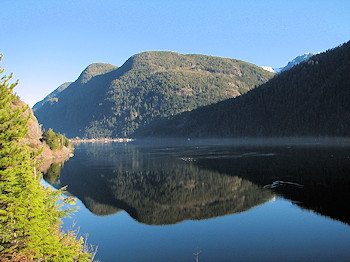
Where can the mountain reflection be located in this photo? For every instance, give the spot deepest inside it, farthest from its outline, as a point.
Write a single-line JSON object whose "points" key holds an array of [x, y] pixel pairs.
{"points": [[315, 178], [166, 185], [153, 187]]}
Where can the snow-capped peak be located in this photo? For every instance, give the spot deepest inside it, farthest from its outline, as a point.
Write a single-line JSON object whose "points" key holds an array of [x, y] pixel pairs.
{"points": [[290, 64], [268, 68]]}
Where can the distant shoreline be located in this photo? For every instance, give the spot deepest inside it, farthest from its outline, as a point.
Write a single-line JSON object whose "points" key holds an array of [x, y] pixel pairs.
{"points": [[100, 140]]}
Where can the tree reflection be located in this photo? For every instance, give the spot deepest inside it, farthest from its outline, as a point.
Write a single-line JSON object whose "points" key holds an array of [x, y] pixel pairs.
{"points": [[155, 190], [166, 185]]}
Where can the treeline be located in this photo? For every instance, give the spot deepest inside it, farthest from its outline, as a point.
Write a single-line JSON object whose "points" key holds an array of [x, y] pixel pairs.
{"points": [[311, 99], [149, 86], [30, 216]]}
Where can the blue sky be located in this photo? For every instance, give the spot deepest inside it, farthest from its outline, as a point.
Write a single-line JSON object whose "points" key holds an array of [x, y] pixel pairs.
{"points": [[47, 43]]}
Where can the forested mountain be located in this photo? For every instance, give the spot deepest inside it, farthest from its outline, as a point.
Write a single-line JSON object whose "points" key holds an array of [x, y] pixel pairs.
{"points": [[107, 101], [310, 99]]}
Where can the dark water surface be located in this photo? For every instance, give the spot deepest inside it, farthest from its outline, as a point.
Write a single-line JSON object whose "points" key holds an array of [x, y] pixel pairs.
{"points": [[160, 201]]}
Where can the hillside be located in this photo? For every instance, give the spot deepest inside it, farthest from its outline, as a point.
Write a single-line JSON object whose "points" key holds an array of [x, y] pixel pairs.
{"points": [[115, 102], [34, 139], [310, 99], [51, 98]]}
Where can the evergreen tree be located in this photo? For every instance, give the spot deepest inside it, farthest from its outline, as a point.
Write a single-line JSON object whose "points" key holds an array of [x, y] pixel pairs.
{"points": [[30, 217], [54, 140]]}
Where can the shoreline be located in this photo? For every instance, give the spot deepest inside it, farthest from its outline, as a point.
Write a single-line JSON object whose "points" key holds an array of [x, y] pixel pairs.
{"points": [[101, 140]]}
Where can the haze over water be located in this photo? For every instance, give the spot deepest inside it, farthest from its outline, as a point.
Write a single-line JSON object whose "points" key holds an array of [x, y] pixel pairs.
{"points": [[234, 201]]}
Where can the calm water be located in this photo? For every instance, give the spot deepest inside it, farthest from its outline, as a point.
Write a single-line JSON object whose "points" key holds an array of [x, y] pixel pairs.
{"points": [[162, 201]]}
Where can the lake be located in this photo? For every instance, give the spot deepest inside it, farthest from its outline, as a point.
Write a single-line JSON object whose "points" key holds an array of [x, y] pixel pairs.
{"points": [[233, 200]]}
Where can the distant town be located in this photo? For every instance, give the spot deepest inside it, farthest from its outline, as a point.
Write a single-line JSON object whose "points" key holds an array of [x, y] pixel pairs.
{"points": [[100, 140]]}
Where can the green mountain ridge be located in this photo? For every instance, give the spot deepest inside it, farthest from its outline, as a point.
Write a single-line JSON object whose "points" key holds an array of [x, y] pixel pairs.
{"points": [[107, 101], [310, 99], [93, 70], [52, 97]]}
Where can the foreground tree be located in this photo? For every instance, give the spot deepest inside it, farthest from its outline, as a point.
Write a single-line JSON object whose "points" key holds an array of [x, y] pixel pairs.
{"points": [[30, 217]]}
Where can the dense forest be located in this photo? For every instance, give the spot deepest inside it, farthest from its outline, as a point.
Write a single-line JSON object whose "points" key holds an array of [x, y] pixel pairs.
{"points": [[106, 101], [310, 99], [30, 215]]}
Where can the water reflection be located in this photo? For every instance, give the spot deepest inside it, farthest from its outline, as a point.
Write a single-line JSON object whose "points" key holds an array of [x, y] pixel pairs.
{"points": [[314, 178], [160, 184], [154, 188]]}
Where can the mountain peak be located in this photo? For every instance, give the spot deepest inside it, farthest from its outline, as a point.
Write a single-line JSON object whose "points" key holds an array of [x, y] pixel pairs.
{"points": [[268, 68], [294, 62], [94, 70]]}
